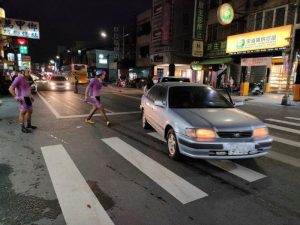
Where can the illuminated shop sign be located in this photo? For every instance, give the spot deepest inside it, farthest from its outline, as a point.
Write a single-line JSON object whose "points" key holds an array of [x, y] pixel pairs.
{"points": [[225, 14], [270, 39]]}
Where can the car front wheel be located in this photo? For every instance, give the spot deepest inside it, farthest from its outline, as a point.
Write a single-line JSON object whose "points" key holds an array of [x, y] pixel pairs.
{"points": [[172, 145]]}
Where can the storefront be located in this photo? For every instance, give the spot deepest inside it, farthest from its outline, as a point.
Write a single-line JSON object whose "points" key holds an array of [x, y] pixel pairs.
{"points": [[263, 58], [181, 70]]}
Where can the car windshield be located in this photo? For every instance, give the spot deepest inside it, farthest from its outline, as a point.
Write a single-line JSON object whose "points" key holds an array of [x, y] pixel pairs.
{"points": [[196, 97], [175, 79], [58, 79]]}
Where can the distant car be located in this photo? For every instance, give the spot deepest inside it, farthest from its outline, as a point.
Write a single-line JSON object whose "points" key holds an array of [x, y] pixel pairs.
{"points": [[199, 122], [174, 79], [59, 83], [33, 85]]}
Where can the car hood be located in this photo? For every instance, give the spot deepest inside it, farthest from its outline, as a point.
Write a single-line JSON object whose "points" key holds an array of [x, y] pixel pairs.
{"points": [[220, 119]]}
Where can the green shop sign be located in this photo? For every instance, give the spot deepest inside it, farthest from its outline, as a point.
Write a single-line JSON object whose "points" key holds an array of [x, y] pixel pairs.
{"points": [[199, 20], [225, 14], [196, 66], [216, 49], [23, 50]]}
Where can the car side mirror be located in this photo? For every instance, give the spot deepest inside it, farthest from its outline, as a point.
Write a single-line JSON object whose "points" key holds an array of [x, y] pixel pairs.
{"points": [[159, 103]]}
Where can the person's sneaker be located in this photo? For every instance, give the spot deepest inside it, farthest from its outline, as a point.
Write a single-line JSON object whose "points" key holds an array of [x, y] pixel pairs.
{"points": [[25, 130], [90, 121], [31, 127], [108, 123]]}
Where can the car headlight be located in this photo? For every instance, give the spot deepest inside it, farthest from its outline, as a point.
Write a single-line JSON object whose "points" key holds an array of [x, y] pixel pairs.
{"points": [[201, 134], [52, 83], [68, 84], [260, 132]]}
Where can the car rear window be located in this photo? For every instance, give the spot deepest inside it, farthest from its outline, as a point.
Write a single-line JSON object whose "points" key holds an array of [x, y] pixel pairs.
{"points": [[196, 97]]}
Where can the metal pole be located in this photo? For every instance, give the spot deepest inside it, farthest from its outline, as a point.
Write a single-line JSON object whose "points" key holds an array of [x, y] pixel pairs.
{"points": [[123, 45], [285, 98]]}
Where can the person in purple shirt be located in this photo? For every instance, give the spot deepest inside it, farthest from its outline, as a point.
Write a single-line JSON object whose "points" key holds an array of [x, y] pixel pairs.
{"points": [[93, 91], [20, 90]]}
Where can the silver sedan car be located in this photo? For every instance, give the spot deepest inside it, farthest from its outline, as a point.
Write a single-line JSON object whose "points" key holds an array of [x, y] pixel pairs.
{"points": [[199, 122]]}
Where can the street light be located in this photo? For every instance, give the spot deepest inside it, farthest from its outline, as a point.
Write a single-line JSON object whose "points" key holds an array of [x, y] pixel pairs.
{"points": [[57, 57], [103, 34]]}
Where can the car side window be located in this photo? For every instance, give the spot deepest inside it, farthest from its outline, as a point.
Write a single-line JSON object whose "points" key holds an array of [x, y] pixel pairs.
{"points": [[162, 94], [152, 94]]}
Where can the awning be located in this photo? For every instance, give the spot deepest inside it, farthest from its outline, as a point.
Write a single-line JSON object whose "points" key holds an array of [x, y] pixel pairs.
{"points": [[214, 61]]}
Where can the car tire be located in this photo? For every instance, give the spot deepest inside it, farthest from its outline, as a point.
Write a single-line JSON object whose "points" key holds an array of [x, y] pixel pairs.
{"points": [[173, 148], [145, 123]]}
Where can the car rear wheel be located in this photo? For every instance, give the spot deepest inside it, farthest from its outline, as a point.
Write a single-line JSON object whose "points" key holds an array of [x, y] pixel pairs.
{"points": [[172, 145], [145, 124]]}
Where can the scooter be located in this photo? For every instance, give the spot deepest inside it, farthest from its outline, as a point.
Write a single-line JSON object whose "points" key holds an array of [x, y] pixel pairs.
{"points": [[258, 89]]}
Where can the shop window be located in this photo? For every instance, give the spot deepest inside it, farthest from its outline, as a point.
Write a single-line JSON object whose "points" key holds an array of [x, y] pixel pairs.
{"points": [[280, 16], [268, 21], [258, 21]]}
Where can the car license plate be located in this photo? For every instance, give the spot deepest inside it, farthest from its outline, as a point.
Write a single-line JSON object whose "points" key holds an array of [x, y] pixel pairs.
{"points": [[240, 148]]}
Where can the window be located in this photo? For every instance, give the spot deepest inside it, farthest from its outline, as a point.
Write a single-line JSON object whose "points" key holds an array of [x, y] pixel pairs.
{"points": [[196, 97], [144, 29], [144, 51], [186, 46], [258, 21], [152, 94], [280, 16], [268, 21]]}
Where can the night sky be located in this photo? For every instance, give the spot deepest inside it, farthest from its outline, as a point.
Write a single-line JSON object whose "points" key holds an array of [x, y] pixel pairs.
{"points": [[64, 21]]}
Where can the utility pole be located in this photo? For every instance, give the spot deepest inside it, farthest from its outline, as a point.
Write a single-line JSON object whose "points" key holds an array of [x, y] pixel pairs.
{"points": [[285, 99], [123, 44]]}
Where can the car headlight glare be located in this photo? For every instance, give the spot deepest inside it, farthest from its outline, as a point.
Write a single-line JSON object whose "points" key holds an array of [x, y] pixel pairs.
{"points": [[260, 132], [52, 83], [201, 134]]}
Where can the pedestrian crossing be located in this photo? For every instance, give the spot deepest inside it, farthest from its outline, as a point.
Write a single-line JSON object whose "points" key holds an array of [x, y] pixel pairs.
{"points": [[61, 168]]}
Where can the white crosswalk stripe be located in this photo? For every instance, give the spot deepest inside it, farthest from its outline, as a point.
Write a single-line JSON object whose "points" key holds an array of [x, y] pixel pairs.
{"points": [[286, 141], [179, 188], [283, 128], [285, 122], [284, 159], [293, 118], [77, 201], [233, 168]]}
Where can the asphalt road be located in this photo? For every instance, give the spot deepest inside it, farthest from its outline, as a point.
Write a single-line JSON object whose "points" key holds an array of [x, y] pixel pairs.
{"points": [[68, 170]]}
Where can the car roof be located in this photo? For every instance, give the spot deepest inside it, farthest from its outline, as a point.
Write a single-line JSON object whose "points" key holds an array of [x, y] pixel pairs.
{"points": [[181, 84]]}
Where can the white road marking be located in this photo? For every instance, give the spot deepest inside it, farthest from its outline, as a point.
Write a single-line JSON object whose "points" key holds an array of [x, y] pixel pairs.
{"points": [[286, 141], [78, 203], [157, 136], [82, 99], [233, 168], [237, 170], [285, 122], [284, 158], [108, 114], [293, 118], [56, 114], [283, 128], [182, 190]]}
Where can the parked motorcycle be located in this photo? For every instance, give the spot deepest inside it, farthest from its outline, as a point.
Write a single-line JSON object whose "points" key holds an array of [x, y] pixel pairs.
{"points": [[258, 89]]}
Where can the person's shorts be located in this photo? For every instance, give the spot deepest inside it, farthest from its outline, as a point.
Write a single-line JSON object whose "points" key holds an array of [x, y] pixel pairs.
{"points": [[25, 104], [96, 101]]}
